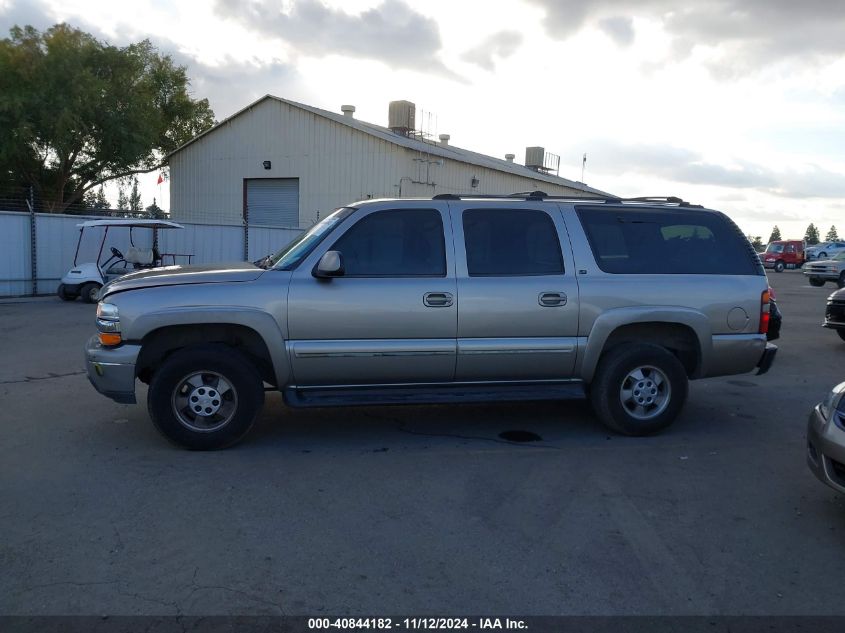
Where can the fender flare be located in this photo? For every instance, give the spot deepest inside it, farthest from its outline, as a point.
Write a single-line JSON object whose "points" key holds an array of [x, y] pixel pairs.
{"points": [[611, 320]]}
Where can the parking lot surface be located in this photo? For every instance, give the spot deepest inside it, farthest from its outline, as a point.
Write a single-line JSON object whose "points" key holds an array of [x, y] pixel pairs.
{"points": [[422, 510]]}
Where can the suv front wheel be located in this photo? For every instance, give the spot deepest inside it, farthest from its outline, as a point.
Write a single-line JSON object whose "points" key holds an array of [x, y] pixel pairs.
{"points": [[638, 389], [205, 398]]}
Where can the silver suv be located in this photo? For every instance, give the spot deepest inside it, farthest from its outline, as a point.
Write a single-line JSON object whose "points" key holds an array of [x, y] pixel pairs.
{"points": [[450, 299]]}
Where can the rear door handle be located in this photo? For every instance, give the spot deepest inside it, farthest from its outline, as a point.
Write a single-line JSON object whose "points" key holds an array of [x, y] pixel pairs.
{"points": [[437, 299], [552, 299]]}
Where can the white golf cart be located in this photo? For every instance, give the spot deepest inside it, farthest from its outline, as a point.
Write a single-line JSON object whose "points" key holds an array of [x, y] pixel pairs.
{"points": [[85, 280]]}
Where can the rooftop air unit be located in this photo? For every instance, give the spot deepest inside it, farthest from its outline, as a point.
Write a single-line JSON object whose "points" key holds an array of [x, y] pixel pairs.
{"points": [[402, 117]]}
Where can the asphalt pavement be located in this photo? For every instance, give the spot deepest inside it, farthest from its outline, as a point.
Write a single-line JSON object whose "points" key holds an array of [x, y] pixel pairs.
{"points": [[422, 510]]}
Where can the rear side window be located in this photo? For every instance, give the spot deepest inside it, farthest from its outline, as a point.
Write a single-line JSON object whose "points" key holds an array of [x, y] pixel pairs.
{"points": [[395, 243], [665, 242], [504, 242]]}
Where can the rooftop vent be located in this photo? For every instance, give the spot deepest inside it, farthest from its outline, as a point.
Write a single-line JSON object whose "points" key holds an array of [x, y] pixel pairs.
{"points": [[444, 139], [348, 110], [510, 157], [401, 117]]}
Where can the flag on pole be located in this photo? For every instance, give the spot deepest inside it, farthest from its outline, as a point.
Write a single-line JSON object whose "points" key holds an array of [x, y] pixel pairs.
{"points": [[160, 179]]}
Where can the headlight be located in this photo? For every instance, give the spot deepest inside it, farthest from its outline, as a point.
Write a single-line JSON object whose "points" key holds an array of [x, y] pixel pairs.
{"points": [[834, 400], [108, 323]]}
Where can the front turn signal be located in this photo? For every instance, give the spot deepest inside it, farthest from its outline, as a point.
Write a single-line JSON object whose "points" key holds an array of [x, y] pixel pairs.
{"points": [[110, 338]]}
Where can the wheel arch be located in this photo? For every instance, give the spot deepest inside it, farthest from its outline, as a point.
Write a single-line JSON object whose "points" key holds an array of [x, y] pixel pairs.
{"points": [[686, 333], [253, 333]]}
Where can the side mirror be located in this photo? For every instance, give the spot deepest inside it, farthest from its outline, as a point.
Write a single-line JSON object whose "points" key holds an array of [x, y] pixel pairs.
{"points": [[330, 265]]}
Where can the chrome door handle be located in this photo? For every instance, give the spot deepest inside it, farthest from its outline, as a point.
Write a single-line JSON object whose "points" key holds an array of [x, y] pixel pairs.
{"points": [[552, 299], [437, 299]]}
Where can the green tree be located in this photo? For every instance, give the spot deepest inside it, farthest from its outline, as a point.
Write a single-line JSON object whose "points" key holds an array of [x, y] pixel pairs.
{"points": [[76, 112], [122, 200], [756, 242], [97, 200], [775, 236], [135, 205], [812, 234], [832, 235], [155, 212]]}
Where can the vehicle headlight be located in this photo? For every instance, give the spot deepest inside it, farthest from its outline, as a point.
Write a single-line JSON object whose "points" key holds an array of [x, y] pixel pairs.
{"points": [[834, 401], [108, 323]]}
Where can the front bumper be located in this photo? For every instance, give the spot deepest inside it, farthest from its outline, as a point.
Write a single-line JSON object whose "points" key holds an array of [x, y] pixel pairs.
{"points": [[826, 450], [112, 369]]}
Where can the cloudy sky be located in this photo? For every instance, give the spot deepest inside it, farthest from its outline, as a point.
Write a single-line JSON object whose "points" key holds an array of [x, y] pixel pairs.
{"points": [[735, 104]]}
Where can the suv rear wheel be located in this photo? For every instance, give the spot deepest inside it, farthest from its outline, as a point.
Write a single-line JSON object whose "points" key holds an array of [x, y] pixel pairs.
{"points": [[638, 389], [205, 398]]}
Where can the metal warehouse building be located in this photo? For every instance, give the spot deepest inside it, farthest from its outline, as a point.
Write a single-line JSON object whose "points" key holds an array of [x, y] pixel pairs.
{"points": [[281, 163]]}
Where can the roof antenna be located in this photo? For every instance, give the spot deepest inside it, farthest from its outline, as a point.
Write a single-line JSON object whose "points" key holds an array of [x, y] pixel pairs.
{"points": [[583, 164]]}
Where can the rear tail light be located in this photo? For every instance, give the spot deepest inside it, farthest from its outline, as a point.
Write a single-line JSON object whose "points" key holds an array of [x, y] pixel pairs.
{"points": [[764, 312]]}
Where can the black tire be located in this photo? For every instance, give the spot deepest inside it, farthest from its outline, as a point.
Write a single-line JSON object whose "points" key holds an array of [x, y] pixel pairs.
{"points": [[245, 398], [779, 266], [90, 292], [841, 334], [815, 281], [63, 294], [841, 281], [613, 373], [822, 256]]}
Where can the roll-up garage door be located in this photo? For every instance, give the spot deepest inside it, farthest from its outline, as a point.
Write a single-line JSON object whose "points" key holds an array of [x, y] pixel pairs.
{"points": [[273, 201]]}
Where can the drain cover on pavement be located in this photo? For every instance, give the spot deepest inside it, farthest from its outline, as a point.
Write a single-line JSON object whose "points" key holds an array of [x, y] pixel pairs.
{"points": [[520, 436]]}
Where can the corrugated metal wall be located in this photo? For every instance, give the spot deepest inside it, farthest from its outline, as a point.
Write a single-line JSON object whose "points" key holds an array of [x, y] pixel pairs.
{"points": [[58, 236], [335, 164]]}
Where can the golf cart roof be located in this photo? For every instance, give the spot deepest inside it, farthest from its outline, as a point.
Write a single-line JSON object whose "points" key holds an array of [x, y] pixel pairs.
{"points": [[131, 223]]}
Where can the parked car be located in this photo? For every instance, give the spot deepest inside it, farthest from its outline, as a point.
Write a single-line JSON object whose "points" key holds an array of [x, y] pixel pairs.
{"points": [[826, 439], [783, 254], [450, 299], [834, 315], [824, 250], [819, 272]]}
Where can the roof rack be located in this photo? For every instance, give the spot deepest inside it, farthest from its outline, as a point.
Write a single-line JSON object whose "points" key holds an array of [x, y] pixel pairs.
{"points": [[541, 195]]}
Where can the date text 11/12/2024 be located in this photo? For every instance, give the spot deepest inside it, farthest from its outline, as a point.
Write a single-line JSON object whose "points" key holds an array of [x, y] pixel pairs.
{"points": [[358, 624]]}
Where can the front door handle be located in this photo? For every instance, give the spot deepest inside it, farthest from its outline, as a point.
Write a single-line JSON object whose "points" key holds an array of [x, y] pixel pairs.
{"points": [[552, 299], [437, 299]]}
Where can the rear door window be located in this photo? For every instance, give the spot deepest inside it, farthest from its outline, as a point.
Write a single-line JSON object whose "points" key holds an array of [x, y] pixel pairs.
{"points": [[671, 241], [507, 242]]}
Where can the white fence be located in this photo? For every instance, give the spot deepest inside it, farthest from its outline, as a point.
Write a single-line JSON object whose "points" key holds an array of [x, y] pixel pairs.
{"points": [[56, 237]]}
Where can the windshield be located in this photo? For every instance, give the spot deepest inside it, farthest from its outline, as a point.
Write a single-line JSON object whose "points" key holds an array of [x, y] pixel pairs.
{"points": [[774, 248], [300, 247]]}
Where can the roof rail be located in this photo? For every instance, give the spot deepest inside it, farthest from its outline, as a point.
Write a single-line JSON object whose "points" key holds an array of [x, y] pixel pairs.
{"points": [[540, 195], [521, 195]]}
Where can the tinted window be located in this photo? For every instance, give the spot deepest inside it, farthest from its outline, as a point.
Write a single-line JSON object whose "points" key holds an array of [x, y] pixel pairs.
{"points": [[510, 242], [396, 243], [666, 242]]}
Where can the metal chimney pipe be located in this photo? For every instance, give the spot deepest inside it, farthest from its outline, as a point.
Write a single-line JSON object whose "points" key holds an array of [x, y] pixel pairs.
{"points": [[348, 110], [444, 139], [510, 157]]}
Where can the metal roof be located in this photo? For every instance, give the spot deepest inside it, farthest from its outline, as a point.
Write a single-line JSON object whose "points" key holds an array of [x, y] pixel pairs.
{"points": [[436, 149], [137, 223]]}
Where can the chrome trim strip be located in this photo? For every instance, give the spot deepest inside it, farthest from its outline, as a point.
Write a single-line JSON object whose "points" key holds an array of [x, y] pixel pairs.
{"points": [[372, 348], [546, 345]]}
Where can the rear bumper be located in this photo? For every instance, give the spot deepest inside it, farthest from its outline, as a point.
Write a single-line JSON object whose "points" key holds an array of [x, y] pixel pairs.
{"points": [[738, 354], [826, 450], [767, 358], [111, 370]]}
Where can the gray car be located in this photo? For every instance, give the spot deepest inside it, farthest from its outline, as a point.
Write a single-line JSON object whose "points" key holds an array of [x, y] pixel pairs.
{"points": [[818, 272], [826, 439], [451, 299]]}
